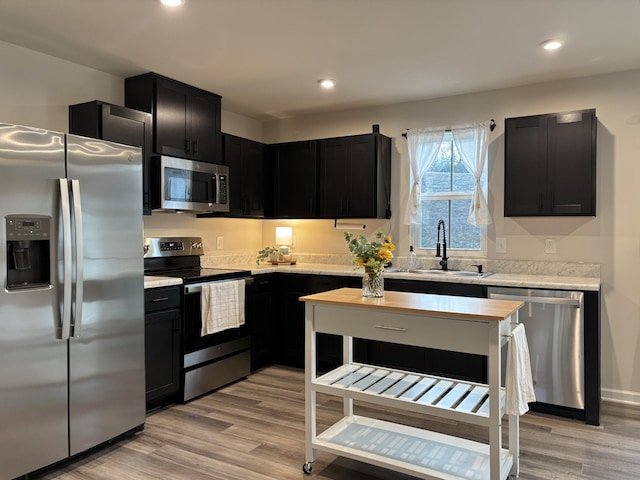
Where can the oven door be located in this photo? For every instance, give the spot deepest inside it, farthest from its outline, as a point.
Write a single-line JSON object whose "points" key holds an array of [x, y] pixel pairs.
{"points": [[213, 360]]}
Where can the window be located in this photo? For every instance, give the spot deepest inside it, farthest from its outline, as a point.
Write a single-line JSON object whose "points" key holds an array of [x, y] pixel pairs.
{"points": [[446, 193]]}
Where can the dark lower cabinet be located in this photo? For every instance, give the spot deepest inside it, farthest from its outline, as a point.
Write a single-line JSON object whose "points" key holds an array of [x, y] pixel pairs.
{"points": [[162, 345], [262, 328], [290, 325]]}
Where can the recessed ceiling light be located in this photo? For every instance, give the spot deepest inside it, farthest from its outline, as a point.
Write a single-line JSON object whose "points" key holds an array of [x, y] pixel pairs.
{"points": [[552, 44], [172, 3], [327, 83]]}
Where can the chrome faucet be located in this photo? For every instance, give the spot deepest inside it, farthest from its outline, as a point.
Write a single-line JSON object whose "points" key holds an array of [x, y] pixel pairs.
{"points": [[443, 262]]}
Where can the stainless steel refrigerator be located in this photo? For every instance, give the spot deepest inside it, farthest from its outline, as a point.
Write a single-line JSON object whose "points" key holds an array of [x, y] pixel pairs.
{"points": [[72, 296]]}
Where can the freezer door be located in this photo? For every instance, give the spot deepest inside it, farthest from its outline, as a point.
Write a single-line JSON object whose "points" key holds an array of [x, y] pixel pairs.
{"points": [[106, 350], [33, 360]]}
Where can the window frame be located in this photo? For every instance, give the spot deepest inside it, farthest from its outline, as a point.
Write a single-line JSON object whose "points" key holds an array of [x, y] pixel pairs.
{"points": [[415, 230]]}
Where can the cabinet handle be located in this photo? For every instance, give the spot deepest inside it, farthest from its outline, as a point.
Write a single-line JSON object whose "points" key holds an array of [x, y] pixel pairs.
{"points": [[195, 147], [311, 205], [160, 299], [540, 201], [187, 146], [552, 204], [395, 329]]}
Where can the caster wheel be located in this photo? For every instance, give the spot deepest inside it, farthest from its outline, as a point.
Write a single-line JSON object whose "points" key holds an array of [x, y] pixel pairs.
{"points": [[306, 468]]}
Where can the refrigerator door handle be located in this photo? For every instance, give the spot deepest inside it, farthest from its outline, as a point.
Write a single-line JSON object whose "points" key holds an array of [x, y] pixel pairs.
{"points": [[66, 246], [77, 217]]}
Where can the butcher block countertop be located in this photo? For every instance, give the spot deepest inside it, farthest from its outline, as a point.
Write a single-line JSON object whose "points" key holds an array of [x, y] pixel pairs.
{"points": [[464, 308]]}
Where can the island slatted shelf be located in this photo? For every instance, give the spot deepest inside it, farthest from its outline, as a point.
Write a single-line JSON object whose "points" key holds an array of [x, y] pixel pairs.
{"points": [[470, 325]]}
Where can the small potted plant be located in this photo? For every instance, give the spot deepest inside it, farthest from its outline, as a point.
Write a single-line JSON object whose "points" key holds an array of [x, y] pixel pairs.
{"points": [[271, 253]]}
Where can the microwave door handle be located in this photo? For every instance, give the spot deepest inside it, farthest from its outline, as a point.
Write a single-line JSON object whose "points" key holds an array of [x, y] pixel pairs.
{"points": [[79, 243], [65, 212], [213, 189]]}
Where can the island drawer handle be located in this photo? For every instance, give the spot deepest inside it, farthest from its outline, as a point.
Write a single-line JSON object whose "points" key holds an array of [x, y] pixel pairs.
{"points": [[397, 329], [160, 299]]}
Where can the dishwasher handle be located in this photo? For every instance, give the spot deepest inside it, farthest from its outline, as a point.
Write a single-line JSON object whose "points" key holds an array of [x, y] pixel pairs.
{"points": [[571, 302]]}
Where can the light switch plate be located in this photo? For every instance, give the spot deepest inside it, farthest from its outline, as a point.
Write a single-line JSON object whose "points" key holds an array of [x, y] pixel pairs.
{"points": [[501, 245], [219, 243]]}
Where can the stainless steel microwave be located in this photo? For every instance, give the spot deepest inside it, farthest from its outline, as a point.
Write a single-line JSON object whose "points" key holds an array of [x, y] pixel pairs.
{"points": [[188, 186]]}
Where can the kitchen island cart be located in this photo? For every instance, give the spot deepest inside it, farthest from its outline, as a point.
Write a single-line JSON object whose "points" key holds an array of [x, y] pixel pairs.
{"points": [[471, 325]]}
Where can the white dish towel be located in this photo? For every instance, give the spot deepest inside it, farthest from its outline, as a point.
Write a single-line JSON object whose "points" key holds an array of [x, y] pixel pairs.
{"points": [[519, 382], [222, 306]]}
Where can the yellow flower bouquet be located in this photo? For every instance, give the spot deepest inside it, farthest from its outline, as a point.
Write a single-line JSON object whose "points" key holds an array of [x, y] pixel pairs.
{"points": [[371, 255]]}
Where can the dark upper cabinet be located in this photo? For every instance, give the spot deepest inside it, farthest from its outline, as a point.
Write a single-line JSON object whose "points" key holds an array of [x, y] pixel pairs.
{"points": [[118, 124], [246, 161], [295, 166], [186, 119], [354, 179], [550, 165], [342, 177]]}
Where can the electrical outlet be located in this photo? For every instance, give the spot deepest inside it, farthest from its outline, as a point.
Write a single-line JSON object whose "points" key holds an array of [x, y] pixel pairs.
{"points": [[550, 245], [219, 243], [501, 245]]}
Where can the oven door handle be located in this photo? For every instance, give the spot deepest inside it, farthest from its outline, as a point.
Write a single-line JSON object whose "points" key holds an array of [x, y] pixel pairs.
{"points": [[197, 287]]}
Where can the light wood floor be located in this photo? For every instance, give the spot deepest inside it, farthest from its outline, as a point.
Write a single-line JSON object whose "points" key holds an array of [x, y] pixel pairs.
{"points": [[254, 430]]}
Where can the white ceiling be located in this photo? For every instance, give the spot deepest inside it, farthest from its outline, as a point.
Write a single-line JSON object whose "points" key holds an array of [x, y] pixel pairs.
{"points": [[265, 56]]}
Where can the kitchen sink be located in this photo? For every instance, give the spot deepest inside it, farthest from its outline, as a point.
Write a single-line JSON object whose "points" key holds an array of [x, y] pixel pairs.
{"points": [[450, 273]]}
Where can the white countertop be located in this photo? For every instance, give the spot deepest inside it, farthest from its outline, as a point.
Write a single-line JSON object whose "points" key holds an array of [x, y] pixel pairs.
{"points": [[495, 279], [155, 282]]}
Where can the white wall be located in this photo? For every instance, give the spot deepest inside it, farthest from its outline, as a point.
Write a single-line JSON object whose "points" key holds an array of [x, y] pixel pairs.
{"points": [[612, 238], [36, 90]]}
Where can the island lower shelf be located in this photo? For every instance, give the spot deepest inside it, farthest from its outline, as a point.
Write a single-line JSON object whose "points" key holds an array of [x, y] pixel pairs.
{"points": [[427, 394], [410, 450]]}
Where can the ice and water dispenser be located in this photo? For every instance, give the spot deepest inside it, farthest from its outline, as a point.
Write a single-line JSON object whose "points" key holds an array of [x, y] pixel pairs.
{"points": [[28, 246]]}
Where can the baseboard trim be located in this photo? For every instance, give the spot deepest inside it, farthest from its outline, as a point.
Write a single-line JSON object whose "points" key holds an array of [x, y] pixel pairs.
{"points": [[625, 397]]}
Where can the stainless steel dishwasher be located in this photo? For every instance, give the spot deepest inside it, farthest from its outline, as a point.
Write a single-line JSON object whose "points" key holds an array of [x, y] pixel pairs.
{"points": [[554, 325]]}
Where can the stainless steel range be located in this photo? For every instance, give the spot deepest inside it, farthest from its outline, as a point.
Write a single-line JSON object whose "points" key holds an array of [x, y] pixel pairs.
{"points": [[214, 357]]}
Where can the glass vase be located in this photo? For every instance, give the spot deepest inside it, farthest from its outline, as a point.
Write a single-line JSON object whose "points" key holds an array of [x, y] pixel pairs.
{"points": [[372, 283]]}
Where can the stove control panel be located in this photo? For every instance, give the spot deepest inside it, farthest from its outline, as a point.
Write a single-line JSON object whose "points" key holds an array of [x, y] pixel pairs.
{"points": [[172, 246]]}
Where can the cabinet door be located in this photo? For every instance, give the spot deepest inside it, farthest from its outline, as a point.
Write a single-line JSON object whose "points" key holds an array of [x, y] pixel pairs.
{"points": [[253, 173], [295, 170], [162, 358], [233, 159], [171, 120], [203, 126], [334, 178], [291, 332], [571, 163], [525, 169], [246, 162], [364, 170], [262, 332]]}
